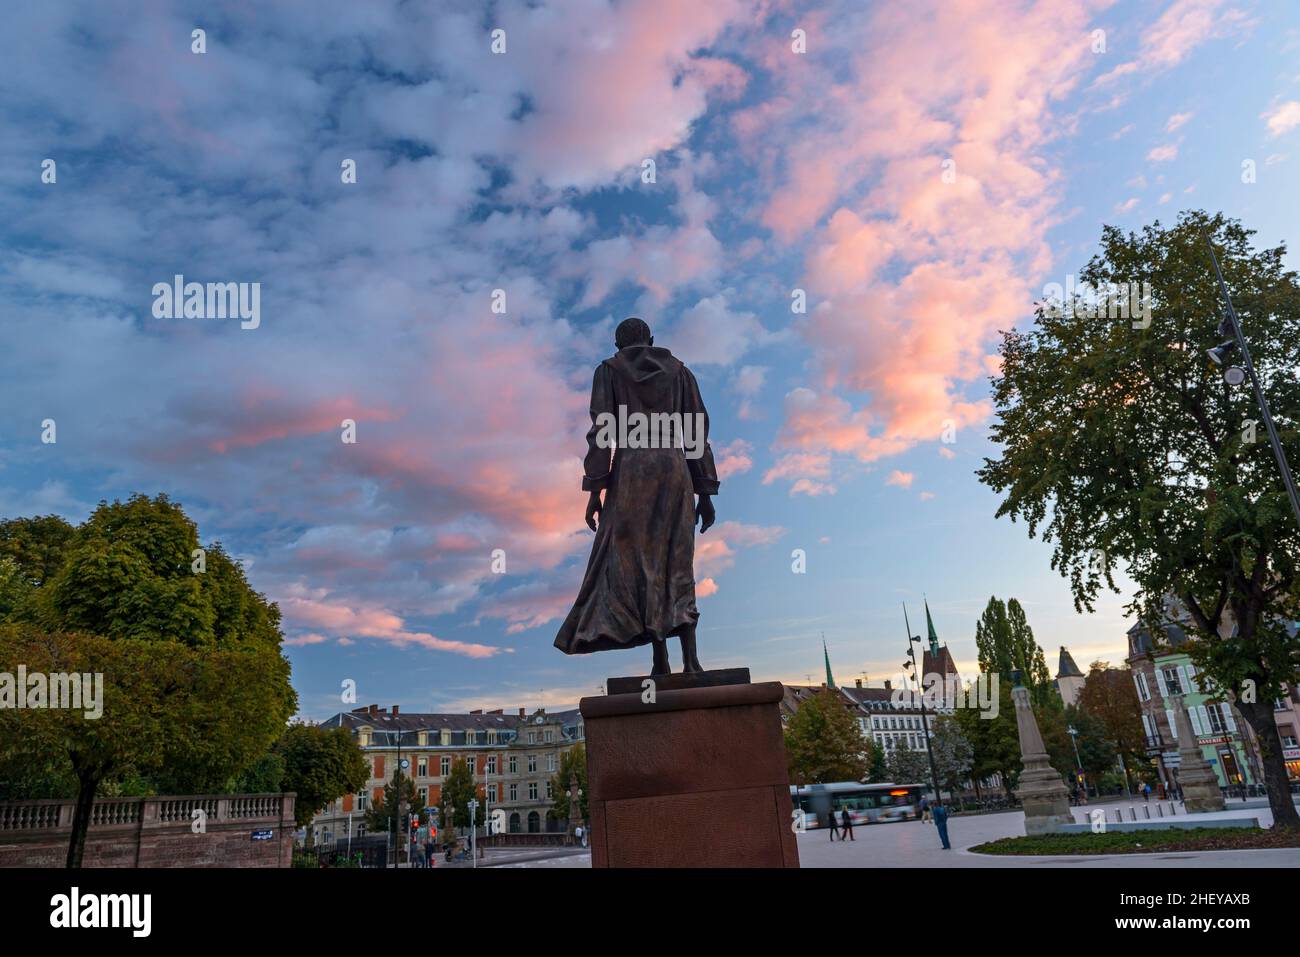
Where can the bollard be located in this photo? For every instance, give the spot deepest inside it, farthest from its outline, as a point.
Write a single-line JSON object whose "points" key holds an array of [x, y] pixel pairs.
{"points": [[1160, 810], [1132, 813]]}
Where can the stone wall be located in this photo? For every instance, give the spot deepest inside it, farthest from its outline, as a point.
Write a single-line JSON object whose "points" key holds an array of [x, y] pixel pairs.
{"points": [[153, 832]]}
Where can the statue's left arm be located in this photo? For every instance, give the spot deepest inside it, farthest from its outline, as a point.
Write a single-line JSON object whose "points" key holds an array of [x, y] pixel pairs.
{"points": [[704, 474]]}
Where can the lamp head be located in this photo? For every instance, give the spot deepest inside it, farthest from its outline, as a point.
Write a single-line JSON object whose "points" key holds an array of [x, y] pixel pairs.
{"points": [[1219, 354]]}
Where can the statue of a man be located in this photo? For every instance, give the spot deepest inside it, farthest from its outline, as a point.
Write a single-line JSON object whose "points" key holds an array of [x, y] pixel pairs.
{"points": [[640, 582]]}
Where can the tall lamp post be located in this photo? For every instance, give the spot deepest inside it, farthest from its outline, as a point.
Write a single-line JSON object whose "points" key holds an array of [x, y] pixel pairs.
{"points": [[910, 665], [1078, 762], [1232, 375]]}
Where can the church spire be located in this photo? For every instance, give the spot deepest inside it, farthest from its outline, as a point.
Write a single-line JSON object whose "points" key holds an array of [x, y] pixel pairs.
{"points": [[830, 679], [934, 638]]}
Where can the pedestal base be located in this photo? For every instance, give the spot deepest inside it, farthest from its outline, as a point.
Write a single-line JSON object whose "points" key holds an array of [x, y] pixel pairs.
{"points": [[695, 778]]}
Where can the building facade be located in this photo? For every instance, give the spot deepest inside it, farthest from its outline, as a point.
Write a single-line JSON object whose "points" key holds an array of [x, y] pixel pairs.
{"points": [[513, 757], [1164, 670]]}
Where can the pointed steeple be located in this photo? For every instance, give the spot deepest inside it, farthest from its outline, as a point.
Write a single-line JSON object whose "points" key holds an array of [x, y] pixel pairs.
{"points": [[934, 638], [830, 679]]}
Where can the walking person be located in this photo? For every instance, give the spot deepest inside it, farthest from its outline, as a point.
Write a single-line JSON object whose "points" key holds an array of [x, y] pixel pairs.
{"points": [[925, 809], [830, 822], [847, 823], [1146, 791]]}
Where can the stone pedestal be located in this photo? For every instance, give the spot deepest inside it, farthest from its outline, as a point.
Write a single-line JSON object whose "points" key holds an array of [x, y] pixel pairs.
{"points": [[1040, 790], [691, 775], [1196, 779]]}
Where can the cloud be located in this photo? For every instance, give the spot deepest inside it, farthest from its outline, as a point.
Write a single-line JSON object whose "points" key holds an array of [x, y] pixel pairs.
{"points": [[1177, 121], [901, 479], [1163, 154], [733, 458], [1184, 26], [1282, 118]]}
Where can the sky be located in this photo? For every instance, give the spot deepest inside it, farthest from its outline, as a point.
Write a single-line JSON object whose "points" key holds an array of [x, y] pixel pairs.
{"points": [[911, 175]]}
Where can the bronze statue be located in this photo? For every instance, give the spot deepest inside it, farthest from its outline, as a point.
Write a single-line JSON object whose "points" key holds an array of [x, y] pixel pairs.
{"points": [[648, 449]]}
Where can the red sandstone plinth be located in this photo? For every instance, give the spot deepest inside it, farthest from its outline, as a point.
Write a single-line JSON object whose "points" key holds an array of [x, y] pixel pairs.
{"points": [[695, 779]]}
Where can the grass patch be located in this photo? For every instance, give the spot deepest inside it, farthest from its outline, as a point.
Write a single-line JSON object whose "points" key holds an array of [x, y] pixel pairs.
{"points": [[1145, 842]]}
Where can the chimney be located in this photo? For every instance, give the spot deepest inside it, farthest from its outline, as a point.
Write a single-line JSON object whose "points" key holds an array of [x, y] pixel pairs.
{"points": [[857, 682], [477, 711], [396, 708], [521, 712], [889, 685], [497, 711], [373, 709]]}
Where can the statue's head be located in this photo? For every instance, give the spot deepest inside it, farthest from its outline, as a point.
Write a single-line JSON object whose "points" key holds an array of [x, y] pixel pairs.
{"points": [[632, 332]]}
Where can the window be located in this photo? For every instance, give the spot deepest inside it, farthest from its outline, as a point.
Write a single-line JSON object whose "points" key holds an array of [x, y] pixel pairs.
{"points": [[514, 764], [363, 801], [422, 767], [550, 762], [1172, 683], [532, 763], [492, 736], [548, 735], [532, 737], [492, 764], [532, 790], [424, 795], [471, 737], [446, 765], [492, 794], [549, 791], [514, 792], [1140, 682]]}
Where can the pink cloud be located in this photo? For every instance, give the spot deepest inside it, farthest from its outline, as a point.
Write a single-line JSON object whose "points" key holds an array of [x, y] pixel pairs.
{"points": [[901, 479], [734, 458], [1184, 26], [1282, 117]]}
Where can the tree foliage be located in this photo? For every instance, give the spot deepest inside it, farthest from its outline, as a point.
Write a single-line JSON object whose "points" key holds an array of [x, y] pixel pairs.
{"points": [[320, 766], [1124, 446], [458, 789], [823, 742], [1005, 644], [573, 763]]}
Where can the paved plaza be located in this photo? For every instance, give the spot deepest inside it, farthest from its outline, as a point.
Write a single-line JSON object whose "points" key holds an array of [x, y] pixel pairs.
{"points": [[916, 844]]}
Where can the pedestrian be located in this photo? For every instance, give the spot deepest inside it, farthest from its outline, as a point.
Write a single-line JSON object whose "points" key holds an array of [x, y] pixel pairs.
{"points": [[925, 809], [830, 822], [578, 835], [847, 823], [1146, 791], [428, 852]]}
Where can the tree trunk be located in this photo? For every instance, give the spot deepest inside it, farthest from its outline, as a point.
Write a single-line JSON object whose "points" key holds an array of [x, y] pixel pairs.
{"points": [[1260, 716], [87, 785]]}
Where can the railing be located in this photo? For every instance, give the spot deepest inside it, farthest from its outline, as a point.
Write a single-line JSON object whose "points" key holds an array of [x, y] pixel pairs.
{"points": [[47, 815]]}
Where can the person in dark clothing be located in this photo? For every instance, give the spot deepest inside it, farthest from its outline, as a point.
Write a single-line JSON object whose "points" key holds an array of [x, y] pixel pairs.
{"points": [[847, 823], [830, 823]]}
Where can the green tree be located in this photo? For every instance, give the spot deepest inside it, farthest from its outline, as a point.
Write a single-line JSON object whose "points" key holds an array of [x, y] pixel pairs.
{"points": [[823, 743], [994, 740], [320, 765], [1124, 446], [906, 766], [1005, 643], [383, 816], [573, 762], [458, 790], [197, 649], [954, 756], [877, 770], [1109, 695]]}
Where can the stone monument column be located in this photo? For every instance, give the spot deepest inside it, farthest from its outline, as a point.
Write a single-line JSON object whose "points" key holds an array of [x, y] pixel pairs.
{"points": [[1196, 778], [1041, 791]]}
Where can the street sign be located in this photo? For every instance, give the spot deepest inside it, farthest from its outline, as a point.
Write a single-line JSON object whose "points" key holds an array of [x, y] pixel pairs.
{"points": [[265, 835], [1173, 759]]}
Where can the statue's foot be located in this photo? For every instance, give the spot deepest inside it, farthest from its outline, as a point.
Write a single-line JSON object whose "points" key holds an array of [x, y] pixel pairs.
{"points": [[690, 663], [660, 666]]}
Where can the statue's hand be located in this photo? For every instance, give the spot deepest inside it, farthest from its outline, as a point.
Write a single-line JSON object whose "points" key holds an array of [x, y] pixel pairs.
{"points": [[704, 512], [593, 509]]}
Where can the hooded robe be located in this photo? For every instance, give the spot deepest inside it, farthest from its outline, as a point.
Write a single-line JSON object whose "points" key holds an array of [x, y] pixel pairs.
{"points": [[640, 580]]}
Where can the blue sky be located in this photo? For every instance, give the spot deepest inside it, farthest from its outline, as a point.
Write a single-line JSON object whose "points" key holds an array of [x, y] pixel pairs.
{"points": [[521, 170]]}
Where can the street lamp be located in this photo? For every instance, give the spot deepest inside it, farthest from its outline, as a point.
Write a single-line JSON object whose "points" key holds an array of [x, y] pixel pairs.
{"points": [[473, 806], [1230, 326], [1078, 762], [910, 665]]}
